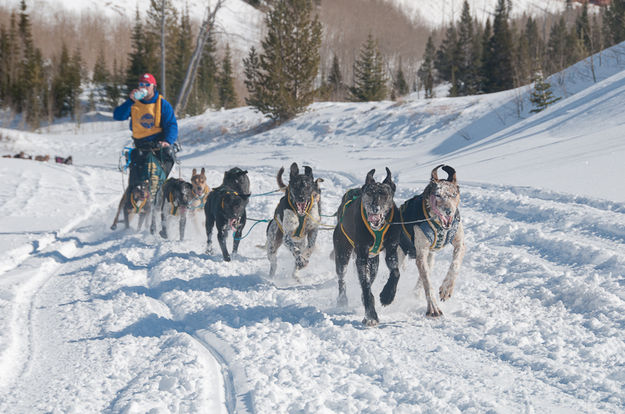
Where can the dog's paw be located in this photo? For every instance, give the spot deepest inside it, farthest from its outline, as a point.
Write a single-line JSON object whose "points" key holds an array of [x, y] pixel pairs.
{"points": [[163, 234], [433, 311], [369, 322], [227, 258], [114, 227], [388, 293], [445, 291]]}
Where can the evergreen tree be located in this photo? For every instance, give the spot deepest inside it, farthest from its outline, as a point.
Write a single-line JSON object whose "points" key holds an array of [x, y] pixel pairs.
{"points": [[426, 70], [486, 54], [614, 17], [227, 95], [542, 96], [100, 79], [143, 57], [467, 77], [582, 28], [556, 47], [335, 81], [253, 79], [181, 55], [114, 89], [154, 31], [447, 58], [400, 86], [498, 67], [282, 85], [369, 77], [66, 84], [204, 90]]}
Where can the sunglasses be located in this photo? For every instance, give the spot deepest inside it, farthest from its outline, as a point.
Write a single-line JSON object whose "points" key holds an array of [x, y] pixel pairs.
{"points": [[144, 84]]}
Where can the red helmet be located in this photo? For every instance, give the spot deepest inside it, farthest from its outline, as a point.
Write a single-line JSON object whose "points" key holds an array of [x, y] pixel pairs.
{"points": [[147, 77]]}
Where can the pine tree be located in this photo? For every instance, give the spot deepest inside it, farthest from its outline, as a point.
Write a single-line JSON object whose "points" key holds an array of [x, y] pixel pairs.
{"points": [[426, 70], [369, 76], [181, 55], [467, 76], [251, 65], [143, 57], [582, 28], [204, 90], [66, 84], [498, 66], [115, 87], [447, 58], [282, 85], [227, 95], [154, 31], [556, 47], [614, 18], [400, 86], [542, 96], [335, 81]]}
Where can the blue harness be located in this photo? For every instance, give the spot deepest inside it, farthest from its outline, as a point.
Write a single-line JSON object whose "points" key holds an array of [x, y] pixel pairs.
{"points": [[416, 210]]}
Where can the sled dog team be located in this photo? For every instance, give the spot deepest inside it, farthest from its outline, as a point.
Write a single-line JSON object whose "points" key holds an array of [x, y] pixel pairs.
{"points": [[367, 222]]}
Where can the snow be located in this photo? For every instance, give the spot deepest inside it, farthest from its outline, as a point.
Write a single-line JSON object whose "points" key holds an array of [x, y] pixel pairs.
{"points": [[93, 320]]}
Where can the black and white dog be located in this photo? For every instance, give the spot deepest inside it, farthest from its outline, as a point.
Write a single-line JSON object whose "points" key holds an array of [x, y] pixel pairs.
{"points": [[296, 218], [433, 222], [176, 197], [225, 209], [365, 219]]}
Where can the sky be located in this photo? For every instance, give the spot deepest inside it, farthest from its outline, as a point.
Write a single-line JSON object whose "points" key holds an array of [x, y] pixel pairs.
{"points": [[94, 320]]}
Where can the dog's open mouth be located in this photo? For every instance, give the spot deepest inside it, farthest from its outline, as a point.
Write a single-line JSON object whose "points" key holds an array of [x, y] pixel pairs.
{"points": [[233, 223], [445, 220], [301, 207], [375, 220]]}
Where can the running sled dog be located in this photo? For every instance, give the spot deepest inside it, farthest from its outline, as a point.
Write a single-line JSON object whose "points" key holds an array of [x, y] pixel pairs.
{"points": [[135, 200], [296, 219], [225, 210], [432, 221], [365, 219], [175, 198], [183, 199]]}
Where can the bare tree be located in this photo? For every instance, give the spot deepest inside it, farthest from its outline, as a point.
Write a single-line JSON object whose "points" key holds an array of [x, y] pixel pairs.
{"points": [[205, 30], [163, 65]]}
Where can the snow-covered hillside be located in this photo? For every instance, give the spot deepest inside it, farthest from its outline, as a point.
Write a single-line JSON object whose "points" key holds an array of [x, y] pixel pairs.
{"points": [[98, 321]]}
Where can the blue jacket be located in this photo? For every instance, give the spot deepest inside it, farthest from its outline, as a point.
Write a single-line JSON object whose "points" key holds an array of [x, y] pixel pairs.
{"points": [[168, 119]]}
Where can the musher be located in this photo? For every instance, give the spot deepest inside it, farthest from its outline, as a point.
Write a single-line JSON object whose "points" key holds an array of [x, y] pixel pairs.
{"points": [[153, 125]]}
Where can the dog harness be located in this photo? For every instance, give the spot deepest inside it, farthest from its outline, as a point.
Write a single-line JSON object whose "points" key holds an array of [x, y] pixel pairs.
{"points": [[417, 209], [137, 207], [146, 119], [199, 201], [378, 235], [222, 199], [297, 233]]}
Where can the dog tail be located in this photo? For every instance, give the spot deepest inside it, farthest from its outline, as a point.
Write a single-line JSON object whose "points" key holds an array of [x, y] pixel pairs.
{"points": [[281, 184]]}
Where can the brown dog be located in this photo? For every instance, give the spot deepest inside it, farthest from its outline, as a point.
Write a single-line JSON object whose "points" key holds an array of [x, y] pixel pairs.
{"points": [[42, 158], [136, 200], [432, 221], [200, 190]]}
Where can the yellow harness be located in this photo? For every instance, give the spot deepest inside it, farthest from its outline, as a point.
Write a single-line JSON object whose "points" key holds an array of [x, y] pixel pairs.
{"points": [[297, 233], [378, 235]]}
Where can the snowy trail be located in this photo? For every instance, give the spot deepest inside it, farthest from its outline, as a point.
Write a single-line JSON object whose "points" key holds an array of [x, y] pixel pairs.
{"points": [[142, 323]]}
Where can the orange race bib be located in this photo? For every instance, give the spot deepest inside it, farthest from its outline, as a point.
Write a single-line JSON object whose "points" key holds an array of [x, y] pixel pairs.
{"points": [[146, 119]]}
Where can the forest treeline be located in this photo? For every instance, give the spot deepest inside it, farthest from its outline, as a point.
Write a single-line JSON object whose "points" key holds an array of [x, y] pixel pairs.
{"points": [[358, 50]]}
